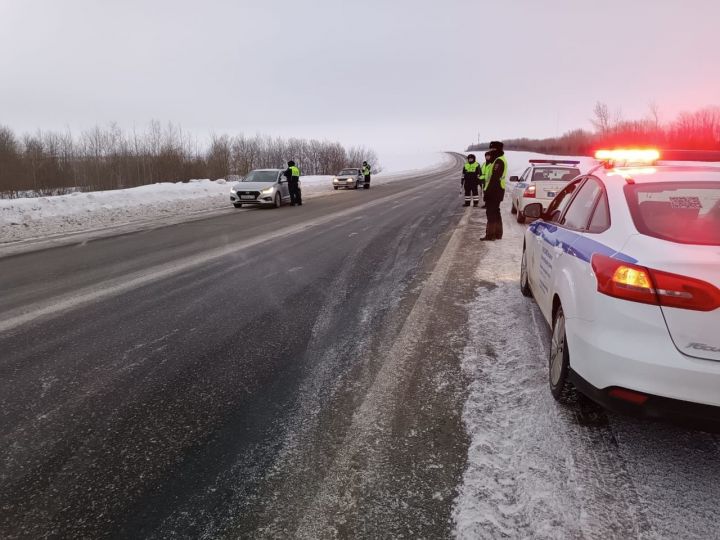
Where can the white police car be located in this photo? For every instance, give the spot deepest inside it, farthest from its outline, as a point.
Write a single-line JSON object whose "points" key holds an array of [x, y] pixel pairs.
{"points": [[625, 267], [540, 182]]}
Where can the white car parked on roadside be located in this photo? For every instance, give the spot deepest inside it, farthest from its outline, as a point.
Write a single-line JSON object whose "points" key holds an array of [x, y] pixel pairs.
{"points": [[540, 182], [625, 267]]}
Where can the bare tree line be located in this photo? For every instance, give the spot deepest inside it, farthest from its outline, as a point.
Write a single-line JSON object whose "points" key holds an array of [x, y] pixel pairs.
{"points": [[50, 162], [699, 130]]}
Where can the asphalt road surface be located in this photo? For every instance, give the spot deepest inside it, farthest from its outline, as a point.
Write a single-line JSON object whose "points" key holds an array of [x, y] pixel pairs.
{"points": [[266, 373], [359, 367]]}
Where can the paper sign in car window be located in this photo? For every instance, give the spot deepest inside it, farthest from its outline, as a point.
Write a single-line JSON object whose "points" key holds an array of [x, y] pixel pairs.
{"points": [[685, 203]]}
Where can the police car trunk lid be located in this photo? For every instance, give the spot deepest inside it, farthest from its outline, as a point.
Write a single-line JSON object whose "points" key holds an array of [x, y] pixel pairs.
{"points": [[547, 189], [695, 333]]}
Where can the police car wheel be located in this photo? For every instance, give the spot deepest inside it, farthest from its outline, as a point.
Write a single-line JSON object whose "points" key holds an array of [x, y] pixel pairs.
{"points": [[559, 361], [524, 284], [237, 205], [513, 210], [520, 217]]}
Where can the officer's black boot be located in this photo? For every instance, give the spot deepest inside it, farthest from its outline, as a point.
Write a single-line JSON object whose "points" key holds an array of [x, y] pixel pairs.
{"points": [[489, 232], [498, 231], [466, 203], [475, 204]]}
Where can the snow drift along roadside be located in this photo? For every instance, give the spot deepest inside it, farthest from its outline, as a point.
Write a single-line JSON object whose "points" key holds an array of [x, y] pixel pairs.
{"points": [[46, 217]]}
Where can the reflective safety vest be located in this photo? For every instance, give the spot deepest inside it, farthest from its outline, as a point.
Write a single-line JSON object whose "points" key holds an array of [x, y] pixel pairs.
{"points": [[485, 174], [471, 167], [295, 171], [503, 178], [366, 170]]}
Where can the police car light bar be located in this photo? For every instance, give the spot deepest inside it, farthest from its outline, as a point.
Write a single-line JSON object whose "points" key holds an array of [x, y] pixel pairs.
{"points": [[629, 155], [556, 161]]}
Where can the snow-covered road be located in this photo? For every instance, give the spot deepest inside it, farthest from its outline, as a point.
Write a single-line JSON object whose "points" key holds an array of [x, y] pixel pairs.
{"points": [[540, 470]]}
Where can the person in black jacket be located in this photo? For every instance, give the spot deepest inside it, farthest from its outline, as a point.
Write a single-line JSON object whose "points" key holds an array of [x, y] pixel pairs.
{"points": [[366, 173], [470, 180], [495, 192], [292, 173]]}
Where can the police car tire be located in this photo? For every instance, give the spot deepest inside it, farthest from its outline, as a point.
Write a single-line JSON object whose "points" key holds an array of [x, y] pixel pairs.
{"points": [[513, 210], [237, 205], [561, 389], [524, 283], [520, 217]]}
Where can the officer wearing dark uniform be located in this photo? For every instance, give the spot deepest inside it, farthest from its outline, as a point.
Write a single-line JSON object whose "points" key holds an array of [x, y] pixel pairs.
{"points": [[495, 191], [471, 180], [292, 173], [366, 174]]}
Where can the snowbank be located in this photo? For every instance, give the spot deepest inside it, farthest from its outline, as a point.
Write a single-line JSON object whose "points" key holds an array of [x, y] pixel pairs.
{"points": [[49, 217]]}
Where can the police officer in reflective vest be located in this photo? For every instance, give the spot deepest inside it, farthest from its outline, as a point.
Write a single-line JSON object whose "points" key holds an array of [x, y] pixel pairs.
{"points": [[471, 180], [366, 173], [486, 169], [292, 173], [495, 191]]}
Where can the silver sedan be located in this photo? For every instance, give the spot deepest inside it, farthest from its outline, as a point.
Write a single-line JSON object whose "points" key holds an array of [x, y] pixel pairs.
{"points": [[351, 178]]}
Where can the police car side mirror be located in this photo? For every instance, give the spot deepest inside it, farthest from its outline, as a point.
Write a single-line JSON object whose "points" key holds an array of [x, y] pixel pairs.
{"points": [[514, 179], [533, 210]]}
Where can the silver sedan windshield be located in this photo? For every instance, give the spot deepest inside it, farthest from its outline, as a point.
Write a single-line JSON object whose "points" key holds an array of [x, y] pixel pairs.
{"points": [[261, 176]]}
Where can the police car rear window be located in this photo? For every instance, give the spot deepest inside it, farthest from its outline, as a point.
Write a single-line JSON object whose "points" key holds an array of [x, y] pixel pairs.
{"points": [[683, 212], [554, 174]]}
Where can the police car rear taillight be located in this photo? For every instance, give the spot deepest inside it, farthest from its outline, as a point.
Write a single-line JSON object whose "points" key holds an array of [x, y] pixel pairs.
{"points": [[529, 193], [639, 284]]}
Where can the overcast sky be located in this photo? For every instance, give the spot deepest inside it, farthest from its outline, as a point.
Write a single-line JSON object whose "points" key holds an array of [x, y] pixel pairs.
{"points": [[395, 75]]}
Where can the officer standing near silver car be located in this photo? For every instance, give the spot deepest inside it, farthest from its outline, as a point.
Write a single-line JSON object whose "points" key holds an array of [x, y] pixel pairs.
{"points": [[366, 173], [292, 173]]}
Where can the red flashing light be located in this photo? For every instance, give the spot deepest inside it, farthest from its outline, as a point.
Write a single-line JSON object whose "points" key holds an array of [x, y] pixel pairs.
{"points": [[629, 155], [635, 283]]}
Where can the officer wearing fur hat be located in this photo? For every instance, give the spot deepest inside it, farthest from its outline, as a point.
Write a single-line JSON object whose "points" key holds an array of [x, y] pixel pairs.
{"points": [[495, 191]]}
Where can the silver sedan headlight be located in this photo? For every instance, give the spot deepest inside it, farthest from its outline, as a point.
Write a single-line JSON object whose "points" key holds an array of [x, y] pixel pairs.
{"points": [[268, 191]]}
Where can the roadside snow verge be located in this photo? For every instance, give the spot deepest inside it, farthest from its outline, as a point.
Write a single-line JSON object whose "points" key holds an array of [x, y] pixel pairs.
{"points": [[43, 218]]}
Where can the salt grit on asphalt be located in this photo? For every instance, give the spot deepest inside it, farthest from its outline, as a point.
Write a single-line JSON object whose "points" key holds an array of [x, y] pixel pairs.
{"points": [[540, 470]]}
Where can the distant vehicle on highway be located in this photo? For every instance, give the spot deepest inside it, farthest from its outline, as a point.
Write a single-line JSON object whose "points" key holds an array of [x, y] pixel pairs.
{"points": [[540, 182], [261, 187], [350, 178], [625, 267]]}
